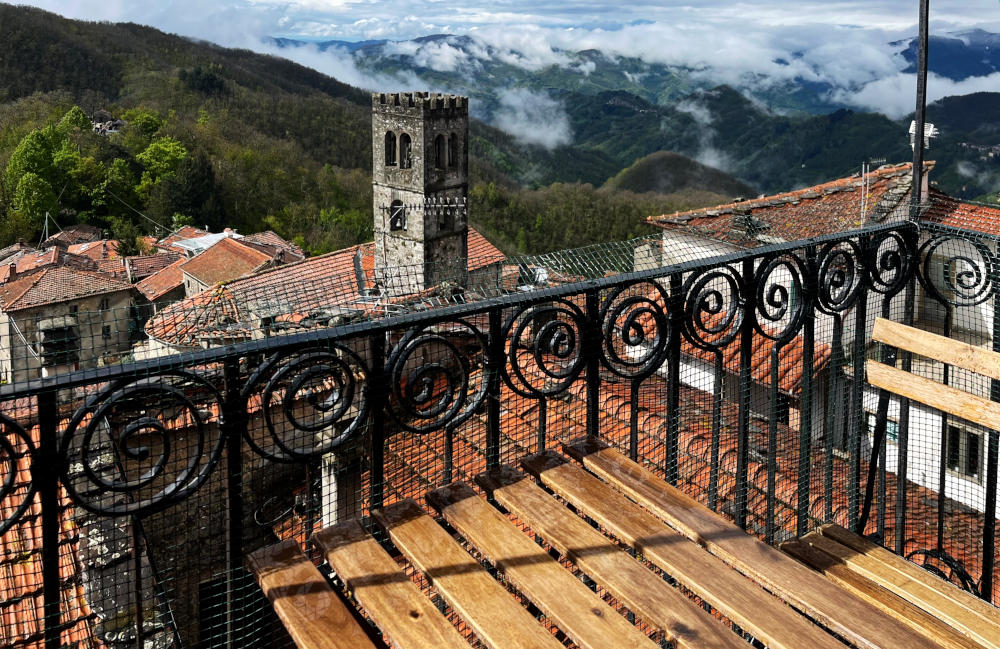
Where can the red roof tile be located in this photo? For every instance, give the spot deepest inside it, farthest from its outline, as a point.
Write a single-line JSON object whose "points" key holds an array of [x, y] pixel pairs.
{"points": [[142, 266], [96, 250], [163, 281], [224, 261], [73, 234], [27, 262], [186, 232], [823, 209], [481, 252], [275, 242], [308, 293], [56, 284], [946, 210]]}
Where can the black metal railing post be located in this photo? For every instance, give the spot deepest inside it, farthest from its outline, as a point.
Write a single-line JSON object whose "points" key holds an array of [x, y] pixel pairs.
{"points": [[378, 393], [592, 353], [234, 427], [746, 380], [855, 423], [806, 394], [676, 315], [494, 361], [45, 475]]}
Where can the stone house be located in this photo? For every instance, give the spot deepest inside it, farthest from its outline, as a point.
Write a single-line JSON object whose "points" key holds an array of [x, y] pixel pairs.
{"points": [[62, 318]]}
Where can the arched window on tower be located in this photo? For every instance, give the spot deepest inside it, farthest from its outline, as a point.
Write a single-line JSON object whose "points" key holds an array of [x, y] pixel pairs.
{"points": [[390, 149], [453, 150], [397, 216], [439, 161], [405, 151]]}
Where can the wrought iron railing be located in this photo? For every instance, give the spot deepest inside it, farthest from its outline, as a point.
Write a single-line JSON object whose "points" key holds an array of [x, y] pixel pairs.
{"points": [[131, 493]]}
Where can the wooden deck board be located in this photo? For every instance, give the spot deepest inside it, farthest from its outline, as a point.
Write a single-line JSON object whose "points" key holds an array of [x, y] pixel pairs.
{"points": [[747, 605], [498, 620], [889, 602], [578, 612], [644, 593], [859, 622], [313, 614], [406, 617], [972, 615]]}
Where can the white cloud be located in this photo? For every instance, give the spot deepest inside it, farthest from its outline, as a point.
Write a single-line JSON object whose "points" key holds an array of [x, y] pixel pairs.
{"points": [[894, 95], [533, 118]]}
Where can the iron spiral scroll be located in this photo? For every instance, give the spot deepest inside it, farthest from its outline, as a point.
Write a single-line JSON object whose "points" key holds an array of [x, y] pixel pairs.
{"points": [[311, 401], [958, 271], [714, 308], [544, 348], [16, 452], [433, 376], [635, 330], [137, 447], [779, 305]]}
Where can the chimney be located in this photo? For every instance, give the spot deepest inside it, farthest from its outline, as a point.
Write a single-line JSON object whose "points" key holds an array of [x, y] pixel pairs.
{"points": [[11, 271]]}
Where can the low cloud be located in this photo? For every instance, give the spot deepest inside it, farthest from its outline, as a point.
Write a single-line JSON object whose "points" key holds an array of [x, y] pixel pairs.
{"points": [[533, 118], [708, 153], [893, 96]]}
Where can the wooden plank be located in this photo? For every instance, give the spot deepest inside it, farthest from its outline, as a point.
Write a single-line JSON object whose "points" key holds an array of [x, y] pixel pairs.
{"points": [[404, 615], [313, 614], [747, 605], [892, 604], [937, 395], [564, 599], [496, 617], [851, 618], [684, 623], [971, 614], [940, 348]]}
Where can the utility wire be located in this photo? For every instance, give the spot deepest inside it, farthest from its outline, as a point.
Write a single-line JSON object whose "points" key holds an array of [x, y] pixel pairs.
{"points": [[120, 200]]}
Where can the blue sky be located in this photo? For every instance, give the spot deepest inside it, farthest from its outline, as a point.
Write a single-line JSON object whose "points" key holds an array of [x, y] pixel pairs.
{"points": [[845, 42]]}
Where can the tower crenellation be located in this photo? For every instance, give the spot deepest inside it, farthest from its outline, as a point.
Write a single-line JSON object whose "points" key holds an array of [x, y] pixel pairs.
{"points": [[419, 189]]}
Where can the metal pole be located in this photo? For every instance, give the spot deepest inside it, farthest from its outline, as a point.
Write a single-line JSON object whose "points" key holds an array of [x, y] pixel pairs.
{"points": [[921, 112]]}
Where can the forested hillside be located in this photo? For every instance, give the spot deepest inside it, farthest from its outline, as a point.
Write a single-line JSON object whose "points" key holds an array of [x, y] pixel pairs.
{"points": [[222, 137]]}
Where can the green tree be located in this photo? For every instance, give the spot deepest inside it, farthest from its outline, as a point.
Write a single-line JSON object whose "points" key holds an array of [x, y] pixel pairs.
{"points": [[128, 236], [160, 160], [74, 120], [34, 197], [32, 155]]}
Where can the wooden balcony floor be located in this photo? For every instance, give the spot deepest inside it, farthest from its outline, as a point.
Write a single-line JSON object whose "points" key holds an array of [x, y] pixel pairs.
{"points": [[595, 553]]}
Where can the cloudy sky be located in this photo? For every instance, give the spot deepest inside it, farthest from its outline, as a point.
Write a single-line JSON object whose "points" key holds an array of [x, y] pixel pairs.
{"points": [[845, 42]]}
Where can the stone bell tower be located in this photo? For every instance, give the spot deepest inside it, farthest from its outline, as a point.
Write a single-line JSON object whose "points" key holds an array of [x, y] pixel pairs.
{"points": [[420, 186]]}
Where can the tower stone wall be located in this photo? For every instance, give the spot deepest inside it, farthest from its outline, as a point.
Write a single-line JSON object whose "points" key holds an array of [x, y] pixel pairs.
{"points": [[420, 171]]}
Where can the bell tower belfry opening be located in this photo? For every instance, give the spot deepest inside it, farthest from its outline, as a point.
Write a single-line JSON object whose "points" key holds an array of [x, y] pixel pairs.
{"points": [[420, 186]]}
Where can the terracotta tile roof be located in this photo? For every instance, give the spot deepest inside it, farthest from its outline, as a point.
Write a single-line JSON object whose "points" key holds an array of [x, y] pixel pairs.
{"points": [[481, 251], [185, 232], [162, 281], [945, 210], [14, 249], [142, 266], [823, 209], [115, 267], [225, 261], [273, 241], [96, 250], [308, 293], [73, 234], [56, 284], [21, 601], [29, 261]]}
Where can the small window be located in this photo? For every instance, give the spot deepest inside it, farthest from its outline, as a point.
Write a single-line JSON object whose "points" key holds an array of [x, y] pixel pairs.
{"points": [[105, 304], [964, 452], [405, 152], [397, 216], [439, 152], [74, 308], [390, 149], [106, 331], [891, 426], [453, 150]]}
